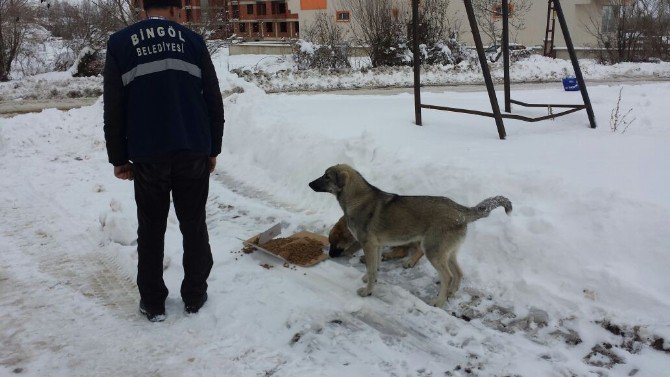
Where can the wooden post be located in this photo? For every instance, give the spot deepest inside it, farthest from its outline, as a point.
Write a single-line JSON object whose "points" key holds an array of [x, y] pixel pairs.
{"points": [[417, 62], [575, 62], [505, 52], [485, 68]]}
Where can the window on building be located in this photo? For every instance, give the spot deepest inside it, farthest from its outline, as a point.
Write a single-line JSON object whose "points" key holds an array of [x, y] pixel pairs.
{"points": [[189, 15], [243, 27], [256, 27], [283, 27], [278, 7], [269, 27], [296, 25], [610, 18], [342, 16], [262, 9], [250, 9], [236, 10]]}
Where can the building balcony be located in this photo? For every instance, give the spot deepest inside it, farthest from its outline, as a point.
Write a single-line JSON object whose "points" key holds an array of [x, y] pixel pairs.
{"points": [[267, 17]]}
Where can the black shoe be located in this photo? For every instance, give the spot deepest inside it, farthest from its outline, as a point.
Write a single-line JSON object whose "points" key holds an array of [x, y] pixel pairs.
{"points": [[193, 308], [152, 315]]}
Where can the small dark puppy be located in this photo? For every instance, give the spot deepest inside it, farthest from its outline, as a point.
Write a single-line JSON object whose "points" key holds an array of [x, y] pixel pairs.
{"points": [[342, 242]]}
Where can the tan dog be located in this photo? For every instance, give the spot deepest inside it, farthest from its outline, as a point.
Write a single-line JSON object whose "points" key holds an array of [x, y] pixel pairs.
{"points": [[377, 219], [343, 243]]}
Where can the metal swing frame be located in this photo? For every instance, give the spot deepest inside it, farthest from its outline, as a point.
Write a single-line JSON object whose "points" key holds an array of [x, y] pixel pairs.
{"points": [[496, 113]]}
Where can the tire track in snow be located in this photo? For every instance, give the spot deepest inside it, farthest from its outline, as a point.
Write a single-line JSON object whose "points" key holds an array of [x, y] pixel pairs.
{"points": [[249, 192], [255, 208], [67, 250]]}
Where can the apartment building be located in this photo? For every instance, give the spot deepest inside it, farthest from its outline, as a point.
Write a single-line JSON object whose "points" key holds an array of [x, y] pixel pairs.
{"points": [[196, 13], [259, 20], [283, 19]]}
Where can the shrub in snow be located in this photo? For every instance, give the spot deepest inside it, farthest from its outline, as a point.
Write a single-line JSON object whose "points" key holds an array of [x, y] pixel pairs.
{"points": [[520, 54], [392, 56], [438, 53], [516, 53], [88, 63], [324, 45], [63, 61], [445, 53], [309, 55], [391, 49], [618, 118]]}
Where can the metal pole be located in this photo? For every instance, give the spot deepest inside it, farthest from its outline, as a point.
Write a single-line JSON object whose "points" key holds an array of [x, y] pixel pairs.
{"points": [[485, 68], [505, 51], [417, 61], [575, 63]]}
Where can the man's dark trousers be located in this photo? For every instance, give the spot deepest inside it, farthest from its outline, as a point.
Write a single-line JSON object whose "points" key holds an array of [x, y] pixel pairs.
{"points": [[189, 182]]}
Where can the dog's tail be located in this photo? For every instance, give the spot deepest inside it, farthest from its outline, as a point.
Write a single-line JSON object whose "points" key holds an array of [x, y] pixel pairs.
{"points": [[483, 209]]}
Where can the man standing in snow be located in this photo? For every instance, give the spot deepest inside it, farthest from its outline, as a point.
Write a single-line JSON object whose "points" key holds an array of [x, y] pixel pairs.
{"points": [[163, 111]]}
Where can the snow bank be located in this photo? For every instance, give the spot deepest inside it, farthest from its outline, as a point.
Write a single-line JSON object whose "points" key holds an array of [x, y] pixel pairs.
{"points": [[52, 85], [533, 69], [59, 85]]}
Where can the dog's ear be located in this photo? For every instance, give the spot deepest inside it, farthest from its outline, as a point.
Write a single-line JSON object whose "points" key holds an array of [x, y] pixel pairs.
{"points": [[341, 178]]}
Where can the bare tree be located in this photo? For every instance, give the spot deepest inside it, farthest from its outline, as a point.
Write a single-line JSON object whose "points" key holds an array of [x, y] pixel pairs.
{"points": [[324, 30], [94, 25], [489, 17], [214, 23], [14, 19], [119, 13], [635, 30], [84, 24], [84, 28], [381, 26], [60, 19], [434, 23], [324, 45], [384, 26]]}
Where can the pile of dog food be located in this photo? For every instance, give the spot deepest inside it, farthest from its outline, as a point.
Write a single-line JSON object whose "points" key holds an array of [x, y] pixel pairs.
{"points": [[300, 251]]}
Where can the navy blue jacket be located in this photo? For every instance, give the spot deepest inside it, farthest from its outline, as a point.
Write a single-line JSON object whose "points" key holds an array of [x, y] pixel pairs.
{"points": [[161, 94]]}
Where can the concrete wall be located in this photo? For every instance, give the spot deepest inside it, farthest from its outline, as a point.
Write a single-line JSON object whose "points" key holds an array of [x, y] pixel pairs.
{"points": [[261, 49], [307, 17], [577, 14], [257, 48]]}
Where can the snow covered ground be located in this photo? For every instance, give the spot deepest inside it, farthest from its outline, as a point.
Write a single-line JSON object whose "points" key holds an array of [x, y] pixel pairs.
{"points": [[574, 282]]}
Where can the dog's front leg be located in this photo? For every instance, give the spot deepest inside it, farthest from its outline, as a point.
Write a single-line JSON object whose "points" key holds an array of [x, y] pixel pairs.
{"points": [[372, 256]]}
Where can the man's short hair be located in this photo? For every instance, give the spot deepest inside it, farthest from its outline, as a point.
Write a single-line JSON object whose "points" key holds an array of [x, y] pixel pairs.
{"points": [[148, 4]]}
